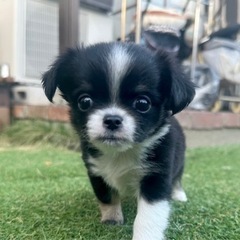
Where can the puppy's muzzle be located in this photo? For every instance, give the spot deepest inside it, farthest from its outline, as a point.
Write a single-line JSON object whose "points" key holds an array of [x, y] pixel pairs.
{"points": [[112, 122]]}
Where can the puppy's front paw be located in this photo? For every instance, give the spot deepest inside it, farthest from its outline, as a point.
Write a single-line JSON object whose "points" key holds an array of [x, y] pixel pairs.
{"points": [[111, 214], [151, 220], [112, 222], [178, 193]]}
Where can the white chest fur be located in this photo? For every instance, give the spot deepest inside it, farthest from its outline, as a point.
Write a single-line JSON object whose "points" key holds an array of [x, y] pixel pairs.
{"points": [[120, 170], [123, 170]]}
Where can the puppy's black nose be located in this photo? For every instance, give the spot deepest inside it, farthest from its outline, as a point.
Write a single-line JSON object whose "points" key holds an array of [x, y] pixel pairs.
{"points": [[112, 122]]}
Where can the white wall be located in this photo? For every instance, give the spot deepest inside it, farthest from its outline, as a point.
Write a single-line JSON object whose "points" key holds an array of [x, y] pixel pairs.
{"points": [[7, 33], [95, 27]]}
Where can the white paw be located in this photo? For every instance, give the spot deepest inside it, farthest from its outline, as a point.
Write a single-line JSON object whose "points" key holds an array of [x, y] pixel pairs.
{"points": [[179, 195]]}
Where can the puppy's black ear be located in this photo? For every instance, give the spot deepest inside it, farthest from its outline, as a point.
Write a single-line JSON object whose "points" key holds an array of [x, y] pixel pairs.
{"points": [[175, 86], [57, 74], [49, 81]]}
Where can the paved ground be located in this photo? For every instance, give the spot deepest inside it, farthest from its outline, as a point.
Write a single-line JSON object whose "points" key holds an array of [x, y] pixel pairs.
{"points": [[198, 138]]}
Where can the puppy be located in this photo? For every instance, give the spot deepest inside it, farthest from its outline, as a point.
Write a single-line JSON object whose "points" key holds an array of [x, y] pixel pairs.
{"points": [[122, 98]]}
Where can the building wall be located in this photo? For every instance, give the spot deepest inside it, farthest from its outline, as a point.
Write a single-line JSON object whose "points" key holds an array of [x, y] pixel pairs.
{"points": [[7, 33], [95, 27]]}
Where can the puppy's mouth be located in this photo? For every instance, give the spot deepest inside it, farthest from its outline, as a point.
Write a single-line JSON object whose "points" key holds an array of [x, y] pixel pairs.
{"points": [[112, 140]]}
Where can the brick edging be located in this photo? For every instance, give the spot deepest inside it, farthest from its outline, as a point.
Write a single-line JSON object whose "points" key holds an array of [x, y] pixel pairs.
{"points": [[50, 113], [4, 117], [208, 120], [188, 119]]}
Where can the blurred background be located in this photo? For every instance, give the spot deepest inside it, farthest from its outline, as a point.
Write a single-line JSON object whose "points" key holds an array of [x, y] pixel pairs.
{"points": [[202, 34]]}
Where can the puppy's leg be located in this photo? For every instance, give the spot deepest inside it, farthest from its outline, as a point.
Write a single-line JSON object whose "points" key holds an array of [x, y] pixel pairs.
{"points": [[112, 212], [153, 208], [178, 193], [151, 220], [109, 201]]}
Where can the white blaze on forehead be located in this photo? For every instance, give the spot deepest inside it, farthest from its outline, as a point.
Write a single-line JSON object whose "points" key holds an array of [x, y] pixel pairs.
{"points": [[119, 62]]}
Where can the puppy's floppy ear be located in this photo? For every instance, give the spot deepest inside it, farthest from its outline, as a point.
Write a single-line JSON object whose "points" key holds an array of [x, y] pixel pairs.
{"points": [[175, 86], [58, 73], [49, 81]]}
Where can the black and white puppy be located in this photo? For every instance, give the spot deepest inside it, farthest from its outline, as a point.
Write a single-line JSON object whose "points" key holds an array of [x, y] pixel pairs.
{"points": [[121, 99]]}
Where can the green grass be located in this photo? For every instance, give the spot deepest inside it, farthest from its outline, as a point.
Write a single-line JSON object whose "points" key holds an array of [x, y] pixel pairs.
{"points": [[38, 132], [45, 194]]}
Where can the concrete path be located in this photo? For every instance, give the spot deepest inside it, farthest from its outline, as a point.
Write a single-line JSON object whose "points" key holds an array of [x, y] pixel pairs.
{"points": [[209, 138]]}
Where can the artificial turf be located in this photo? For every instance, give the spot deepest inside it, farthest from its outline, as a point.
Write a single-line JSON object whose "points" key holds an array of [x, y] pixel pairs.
{"points": [[45, 194]]}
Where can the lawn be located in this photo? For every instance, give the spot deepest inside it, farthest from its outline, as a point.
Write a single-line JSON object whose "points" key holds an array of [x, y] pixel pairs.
{"points": [[45, 194]]}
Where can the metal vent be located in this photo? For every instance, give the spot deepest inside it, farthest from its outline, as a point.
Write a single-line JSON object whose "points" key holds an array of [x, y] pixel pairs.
{"points": [[41, 36]]}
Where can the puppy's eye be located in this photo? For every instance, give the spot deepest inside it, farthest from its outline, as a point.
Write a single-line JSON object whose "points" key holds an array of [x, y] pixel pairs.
{"points": [[84, 103], [142, 104]]}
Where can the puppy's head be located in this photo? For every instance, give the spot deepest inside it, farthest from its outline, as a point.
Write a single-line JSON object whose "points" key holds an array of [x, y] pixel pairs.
{"points": [[119, 93]]}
